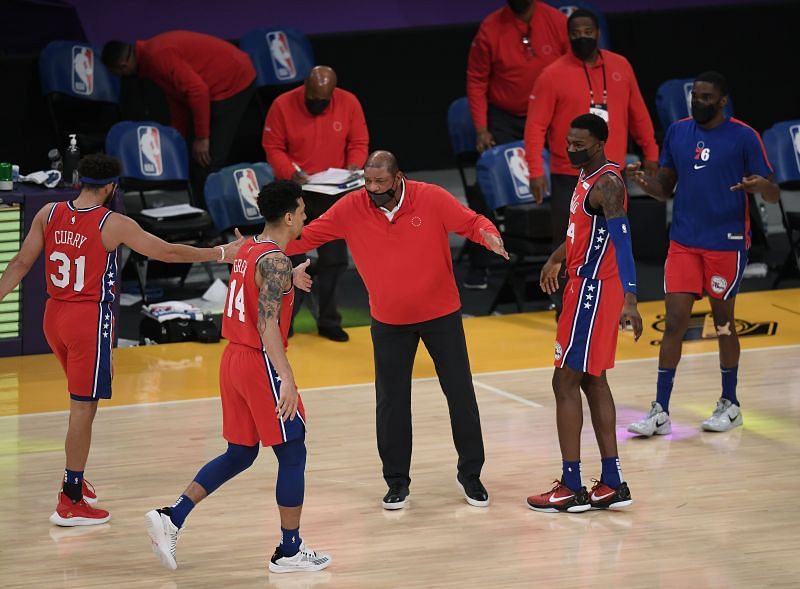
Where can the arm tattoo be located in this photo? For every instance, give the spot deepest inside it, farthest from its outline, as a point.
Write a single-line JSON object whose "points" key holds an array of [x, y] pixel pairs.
{"points": [[276, 276], [611, 196]]}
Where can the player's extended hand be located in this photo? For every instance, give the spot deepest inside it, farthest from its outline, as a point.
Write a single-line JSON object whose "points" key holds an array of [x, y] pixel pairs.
{"points": [[754, 183], [539, 188], [300, 277], [232, 248], [287, 403], [494, 243], [630, 315], [548, 279], [635, 172]]}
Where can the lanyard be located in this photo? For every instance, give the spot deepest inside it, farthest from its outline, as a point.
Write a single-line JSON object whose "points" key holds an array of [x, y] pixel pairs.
{"points": [[589, 81]]}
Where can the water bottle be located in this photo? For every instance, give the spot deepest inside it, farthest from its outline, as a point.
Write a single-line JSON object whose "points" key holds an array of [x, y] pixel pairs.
{"points": [[71, 159]]}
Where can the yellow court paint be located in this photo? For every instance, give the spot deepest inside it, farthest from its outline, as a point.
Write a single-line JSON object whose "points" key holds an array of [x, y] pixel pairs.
{"points": [[32, 384]]}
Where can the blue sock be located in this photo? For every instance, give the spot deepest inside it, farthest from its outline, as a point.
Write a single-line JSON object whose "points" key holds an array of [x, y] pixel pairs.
{"points": [[666, 376], [73, 484], [611, 472], [290, 543], [180, 511], [730, 377], [571, 474]]}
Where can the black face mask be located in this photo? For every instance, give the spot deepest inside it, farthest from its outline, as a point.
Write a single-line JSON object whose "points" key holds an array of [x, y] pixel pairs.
{"points": [[519, 6], [583, 47], [579, 158], [316, 105], [379, 199], [703, 113]]}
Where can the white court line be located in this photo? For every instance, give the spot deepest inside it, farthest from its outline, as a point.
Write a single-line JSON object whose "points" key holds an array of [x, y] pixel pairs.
{"points": [[505, 394], [427, 379]]}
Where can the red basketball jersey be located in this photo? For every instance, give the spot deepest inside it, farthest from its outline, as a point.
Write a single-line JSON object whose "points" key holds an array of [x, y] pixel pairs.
{"points": [[240, 319], [77, 266], [590, 253]]}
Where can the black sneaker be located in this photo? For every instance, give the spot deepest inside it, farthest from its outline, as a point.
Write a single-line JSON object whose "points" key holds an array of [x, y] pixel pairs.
{"points": [[336, 334], [474, 491], [604, 497], [477, 279], [396, 497]]}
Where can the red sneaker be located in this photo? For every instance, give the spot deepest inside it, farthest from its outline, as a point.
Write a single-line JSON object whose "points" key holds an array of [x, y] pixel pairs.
{"points": [[89, 494], [81, 513], [604, 497], [560, 498]]}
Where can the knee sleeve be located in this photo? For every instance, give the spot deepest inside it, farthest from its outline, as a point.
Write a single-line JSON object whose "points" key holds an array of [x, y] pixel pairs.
{"points": [[226, 466], [290, 487]]}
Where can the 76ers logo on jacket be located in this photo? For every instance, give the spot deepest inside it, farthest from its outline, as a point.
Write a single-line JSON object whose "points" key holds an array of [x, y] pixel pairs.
{"points": [[247, 186], [150, 161], [282, 61], [518, 168], [82, 70]]}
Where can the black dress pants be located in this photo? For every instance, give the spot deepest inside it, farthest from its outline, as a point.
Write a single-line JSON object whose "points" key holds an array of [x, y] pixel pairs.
{"points": [[395, 347]]}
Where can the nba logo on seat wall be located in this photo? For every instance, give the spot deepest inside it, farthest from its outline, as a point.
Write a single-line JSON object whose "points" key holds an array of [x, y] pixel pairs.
{"points": [[568, 9], [795, 132], [687, 93], [282, 61], [247, 185], [82, 70], [150, 151], [518, 168]]}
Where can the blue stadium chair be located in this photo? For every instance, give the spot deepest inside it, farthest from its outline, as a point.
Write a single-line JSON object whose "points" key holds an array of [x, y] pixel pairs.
{"points": [[81, 94], [568, 8], [674, 100], [281, 55], [231, 195], [463, 138], [155, 164], [782, 142], [525, 226]]}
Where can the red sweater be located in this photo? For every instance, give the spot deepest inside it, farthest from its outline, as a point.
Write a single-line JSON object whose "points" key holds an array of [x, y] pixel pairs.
{"points": [[500, 69], [337, 138], [193, 70], [562, 93], [406, 264]]}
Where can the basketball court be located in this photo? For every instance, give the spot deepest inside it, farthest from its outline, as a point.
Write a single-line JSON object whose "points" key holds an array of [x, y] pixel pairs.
{"points": [[710, 510]]}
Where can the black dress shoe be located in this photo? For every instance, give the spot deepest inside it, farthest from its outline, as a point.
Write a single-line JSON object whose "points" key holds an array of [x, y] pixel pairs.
{"points": [[396, 497], [474, 491], [336, 334]]}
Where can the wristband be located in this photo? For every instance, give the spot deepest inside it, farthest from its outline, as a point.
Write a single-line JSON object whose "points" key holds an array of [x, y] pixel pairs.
{"points": [[221, 253]]}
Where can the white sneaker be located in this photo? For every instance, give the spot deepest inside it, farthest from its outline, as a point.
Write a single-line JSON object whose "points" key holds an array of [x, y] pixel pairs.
{"points": [[657, 422], [305, 560], [726, 416], [164, 536]]}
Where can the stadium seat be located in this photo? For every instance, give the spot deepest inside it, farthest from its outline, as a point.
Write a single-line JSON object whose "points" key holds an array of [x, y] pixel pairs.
{"points": [[782, 142], [155, 164], [82, 95], [231, 195], [280, 55]]}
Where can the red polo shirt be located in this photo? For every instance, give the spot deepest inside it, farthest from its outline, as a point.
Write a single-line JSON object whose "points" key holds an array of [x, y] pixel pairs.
{"points": [[337, 138], [193, 70], [562, 92], [405, 263], [500, 70]]}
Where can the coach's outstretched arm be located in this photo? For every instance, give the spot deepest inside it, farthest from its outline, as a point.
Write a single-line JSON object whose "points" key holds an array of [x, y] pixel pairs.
{"points": [[274, 277], [119, 230], [609, 193]]}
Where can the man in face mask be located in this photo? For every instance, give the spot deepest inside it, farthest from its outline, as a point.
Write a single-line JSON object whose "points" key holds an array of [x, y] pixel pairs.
{"points": [[513, 45], [714, 160], [308, 130], [587, 80], [397, 231]]}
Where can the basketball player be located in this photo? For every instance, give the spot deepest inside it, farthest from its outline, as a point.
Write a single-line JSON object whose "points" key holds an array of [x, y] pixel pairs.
{"points": [[714, 160], [600, 288], [260, 402], [80, 240]]}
